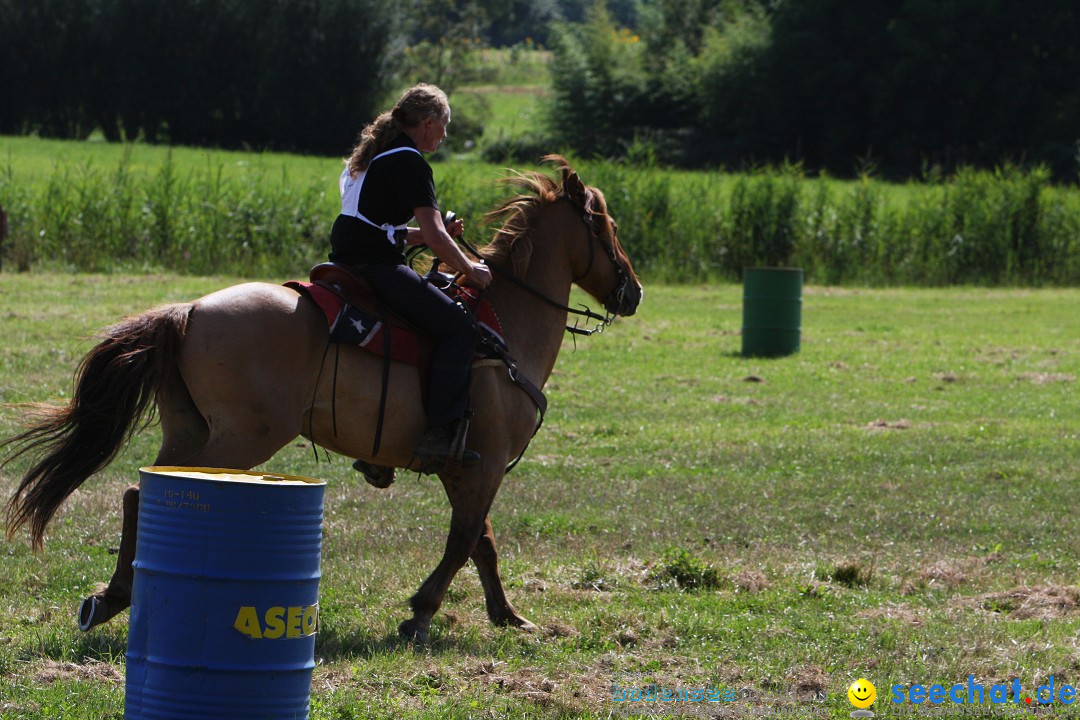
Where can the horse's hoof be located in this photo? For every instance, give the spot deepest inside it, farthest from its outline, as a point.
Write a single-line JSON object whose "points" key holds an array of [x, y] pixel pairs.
{"points": [[87, 610], [516, 621], [525, 626], [93, 611], [414, 631], [97, 609]]}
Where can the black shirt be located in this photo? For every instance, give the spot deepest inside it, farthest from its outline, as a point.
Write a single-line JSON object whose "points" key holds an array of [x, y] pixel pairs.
{"points": [[393, 186]]}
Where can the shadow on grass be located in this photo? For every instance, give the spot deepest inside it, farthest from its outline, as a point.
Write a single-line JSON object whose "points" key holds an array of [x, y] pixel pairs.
{"points": [[358, 643]]}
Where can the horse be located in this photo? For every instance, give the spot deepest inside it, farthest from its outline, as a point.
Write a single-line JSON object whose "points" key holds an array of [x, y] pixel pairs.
{"points": [[221, 403]]}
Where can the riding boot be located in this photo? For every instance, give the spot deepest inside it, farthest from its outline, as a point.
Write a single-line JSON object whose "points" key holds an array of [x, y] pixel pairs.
{"points": [[436, 450]]}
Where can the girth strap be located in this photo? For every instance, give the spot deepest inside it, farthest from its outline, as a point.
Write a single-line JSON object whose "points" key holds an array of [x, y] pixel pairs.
{"points": [[529, 387], [387, 353]]}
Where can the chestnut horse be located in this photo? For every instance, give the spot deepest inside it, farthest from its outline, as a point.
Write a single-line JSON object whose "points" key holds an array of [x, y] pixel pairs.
{"points": [[224, 401]]}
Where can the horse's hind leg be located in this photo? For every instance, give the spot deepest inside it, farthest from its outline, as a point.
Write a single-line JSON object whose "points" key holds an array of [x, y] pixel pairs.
{"points": [[486, 559], [107, 601], [184, 435], [115, 597]]}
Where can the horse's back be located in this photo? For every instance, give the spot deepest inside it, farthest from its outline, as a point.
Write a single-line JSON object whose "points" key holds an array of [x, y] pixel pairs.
{"points": [[262, 323], [251, 297], [251, 359]]}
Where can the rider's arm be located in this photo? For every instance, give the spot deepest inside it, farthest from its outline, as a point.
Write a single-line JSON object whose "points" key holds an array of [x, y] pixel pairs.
{"points": [[434, 233]]}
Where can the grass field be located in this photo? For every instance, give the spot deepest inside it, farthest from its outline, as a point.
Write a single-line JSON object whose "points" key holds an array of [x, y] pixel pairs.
{"points": [[895, 502]]}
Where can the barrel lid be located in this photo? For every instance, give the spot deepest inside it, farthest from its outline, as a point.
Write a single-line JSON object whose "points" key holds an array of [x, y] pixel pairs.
{"points": [[229, 475]]}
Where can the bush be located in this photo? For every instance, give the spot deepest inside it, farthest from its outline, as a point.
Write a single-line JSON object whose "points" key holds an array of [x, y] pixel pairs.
{"points": [[508, 150], [760, 225], [198, 221], [256, 215]]}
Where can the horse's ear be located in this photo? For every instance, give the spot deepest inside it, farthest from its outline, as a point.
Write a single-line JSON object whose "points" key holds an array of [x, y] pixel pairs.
{"points": [[574, 188]]}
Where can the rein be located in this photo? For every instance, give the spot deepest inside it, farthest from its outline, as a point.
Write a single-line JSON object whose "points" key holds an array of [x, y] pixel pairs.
{"points": [[602, 321]]}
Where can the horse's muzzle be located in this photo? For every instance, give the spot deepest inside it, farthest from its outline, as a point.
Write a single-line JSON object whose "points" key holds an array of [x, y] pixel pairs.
{"points": [[624, 300]]}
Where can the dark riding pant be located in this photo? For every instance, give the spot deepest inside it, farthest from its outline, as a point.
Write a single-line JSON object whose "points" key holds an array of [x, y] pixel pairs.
{"points": [[404, 292]]}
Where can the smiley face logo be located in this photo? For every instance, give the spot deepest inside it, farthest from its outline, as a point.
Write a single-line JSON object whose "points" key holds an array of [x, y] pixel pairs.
{"points": [[862, 693]]}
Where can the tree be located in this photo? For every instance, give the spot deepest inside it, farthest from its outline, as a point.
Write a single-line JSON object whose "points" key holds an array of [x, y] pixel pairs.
{"points": [[445, 43], [285, 74]]}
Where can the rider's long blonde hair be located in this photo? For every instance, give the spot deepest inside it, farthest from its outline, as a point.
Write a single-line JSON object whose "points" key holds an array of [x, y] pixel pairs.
{"points": [[417, 104]]}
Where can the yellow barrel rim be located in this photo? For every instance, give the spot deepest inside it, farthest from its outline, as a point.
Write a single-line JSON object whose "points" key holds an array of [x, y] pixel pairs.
{"points": [[230, 475]]}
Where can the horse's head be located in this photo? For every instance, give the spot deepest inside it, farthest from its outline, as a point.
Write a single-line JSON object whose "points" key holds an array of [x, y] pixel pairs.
{"points": [[587, 234], [600, 265]]}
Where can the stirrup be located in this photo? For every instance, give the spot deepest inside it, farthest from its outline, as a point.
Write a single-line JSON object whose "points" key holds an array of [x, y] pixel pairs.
{"points": [[379, 476], [443, 449], [459, 458]]}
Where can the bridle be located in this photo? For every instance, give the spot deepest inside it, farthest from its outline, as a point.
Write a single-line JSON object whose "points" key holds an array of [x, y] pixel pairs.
{"points": [[617, 294]]}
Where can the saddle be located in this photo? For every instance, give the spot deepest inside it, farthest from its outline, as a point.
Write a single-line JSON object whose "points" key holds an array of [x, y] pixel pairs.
{"points": [[355, 317]]}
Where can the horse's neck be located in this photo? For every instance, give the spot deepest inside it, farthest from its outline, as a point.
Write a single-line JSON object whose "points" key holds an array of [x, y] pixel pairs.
{"points": [[533, 328]]}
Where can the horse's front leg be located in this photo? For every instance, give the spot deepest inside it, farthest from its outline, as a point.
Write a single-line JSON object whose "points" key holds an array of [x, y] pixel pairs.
{"points": [[115, 597], [471, 494], [486, 558], [466, 525]]}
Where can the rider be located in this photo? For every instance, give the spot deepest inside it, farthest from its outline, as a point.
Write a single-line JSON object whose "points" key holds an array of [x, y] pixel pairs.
{"points": [[385, 184]]}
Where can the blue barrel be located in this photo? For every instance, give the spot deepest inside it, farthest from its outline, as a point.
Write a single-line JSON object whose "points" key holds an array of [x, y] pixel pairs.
{"points": [[225, 604]]}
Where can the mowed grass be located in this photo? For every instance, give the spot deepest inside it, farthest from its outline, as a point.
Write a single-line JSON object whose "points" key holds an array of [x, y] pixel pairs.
{"points": [[895, 502]]}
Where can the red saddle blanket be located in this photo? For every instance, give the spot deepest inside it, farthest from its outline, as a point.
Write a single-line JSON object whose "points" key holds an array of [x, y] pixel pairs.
{"points": [[356, 321]]}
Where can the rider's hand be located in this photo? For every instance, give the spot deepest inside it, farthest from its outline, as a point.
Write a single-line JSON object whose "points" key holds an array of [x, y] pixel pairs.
{"points": [[455, 228], [478, 276]]}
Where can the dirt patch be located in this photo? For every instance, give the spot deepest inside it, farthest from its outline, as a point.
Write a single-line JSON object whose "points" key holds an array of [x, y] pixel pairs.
{"points": [[751, 581], [1042, 602], [902, 613], [949, 573], [723, 399], [1041, 378], [529, 684], [557, 630], [888, 425], [810, 680], [51, 671], [331, 680]]}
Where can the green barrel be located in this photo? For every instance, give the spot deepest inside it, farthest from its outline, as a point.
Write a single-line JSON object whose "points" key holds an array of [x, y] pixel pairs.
{"points": [[772, 311]]}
